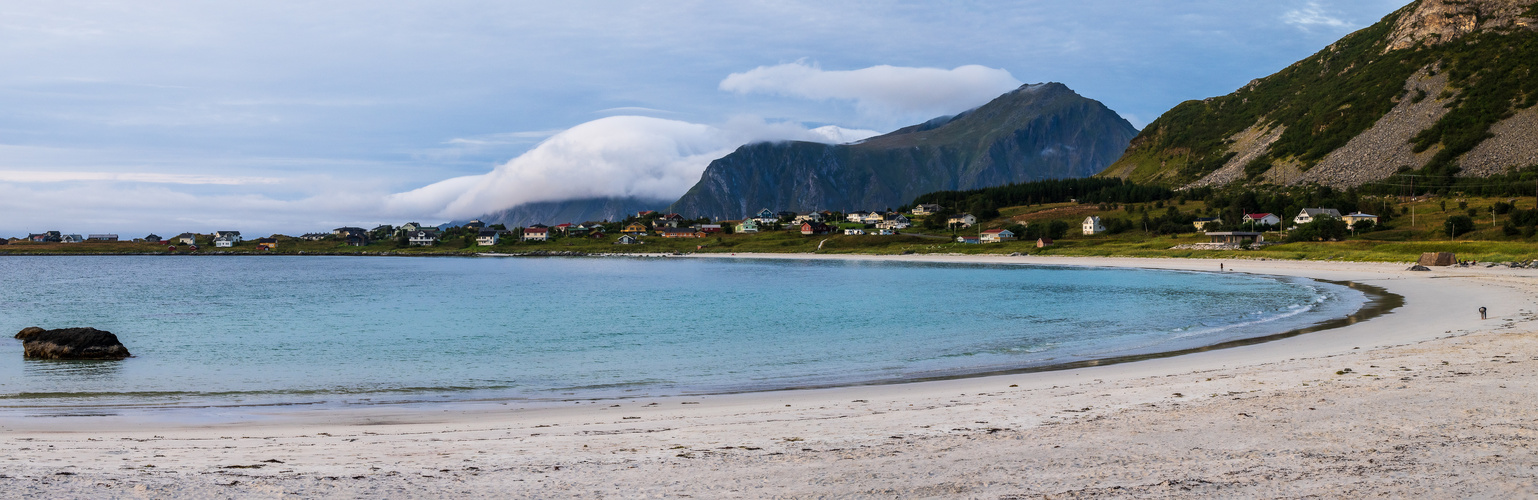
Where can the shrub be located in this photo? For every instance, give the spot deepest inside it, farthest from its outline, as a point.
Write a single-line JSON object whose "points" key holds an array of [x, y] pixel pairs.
{"points": [[1458, 225]]}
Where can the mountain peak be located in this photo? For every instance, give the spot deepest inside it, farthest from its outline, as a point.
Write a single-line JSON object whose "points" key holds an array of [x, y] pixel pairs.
{"points": [[1435, 22]]}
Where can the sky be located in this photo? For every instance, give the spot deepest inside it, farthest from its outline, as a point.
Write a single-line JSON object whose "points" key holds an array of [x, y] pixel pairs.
{"points": [[290, 117]]}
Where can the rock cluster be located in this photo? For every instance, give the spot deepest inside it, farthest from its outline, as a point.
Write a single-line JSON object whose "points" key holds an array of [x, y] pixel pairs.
{"points": [[71, 343], [1435, 22], [1378, 152]]}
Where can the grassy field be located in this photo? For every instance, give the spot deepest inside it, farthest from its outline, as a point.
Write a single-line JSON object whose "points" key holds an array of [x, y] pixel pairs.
{"points": [[1402, 241]]}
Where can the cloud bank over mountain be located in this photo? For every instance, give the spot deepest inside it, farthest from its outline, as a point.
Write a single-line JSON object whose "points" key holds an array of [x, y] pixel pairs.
{"points": [[613, 157]]}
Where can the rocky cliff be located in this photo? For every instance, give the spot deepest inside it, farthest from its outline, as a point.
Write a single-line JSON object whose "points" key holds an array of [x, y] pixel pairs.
{"points": [[575, 211], [1041, 131], [1438, 88]]}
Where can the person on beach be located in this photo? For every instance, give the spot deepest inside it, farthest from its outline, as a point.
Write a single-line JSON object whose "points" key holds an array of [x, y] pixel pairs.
{"points": [[1220, 266], [1481, 312]]}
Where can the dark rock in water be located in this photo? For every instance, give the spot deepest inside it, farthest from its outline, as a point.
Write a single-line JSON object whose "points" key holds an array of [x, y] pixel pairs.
{"points": [[73, 343], [1418, 267], [28, 332]]}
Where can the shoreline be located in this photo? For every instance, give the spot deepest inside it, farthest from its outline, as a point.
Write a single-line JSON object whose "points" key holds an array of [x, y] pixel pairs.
{"points": [[1377, 303], [881, 429]]}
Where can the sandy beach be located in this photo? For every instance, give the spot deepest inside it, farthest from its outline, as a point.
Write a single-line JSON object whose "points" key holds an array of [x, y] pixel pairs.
{"points": [[1426, 401]]}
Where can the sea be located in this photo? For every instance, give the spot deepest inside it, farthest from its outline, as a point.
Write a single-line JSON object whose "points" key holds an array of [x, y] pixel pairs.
{"points": [[332, 330]]}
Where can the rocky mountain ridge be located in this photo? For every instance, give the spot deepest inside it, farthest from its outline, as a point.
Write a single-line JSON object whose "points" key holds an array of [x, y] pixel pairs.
{"points": [[1439, 88], [1040, 131]]}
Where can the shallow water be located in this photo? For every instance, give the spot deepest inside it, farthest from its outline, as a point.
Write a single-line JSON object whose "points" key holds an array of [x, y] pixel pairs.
{"points": [[259, 330]]}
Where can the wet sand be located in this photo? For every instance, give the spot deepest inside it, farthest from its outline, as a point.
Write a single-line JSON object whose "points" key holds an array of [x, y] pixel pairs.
{"points": [[1427, 400]]}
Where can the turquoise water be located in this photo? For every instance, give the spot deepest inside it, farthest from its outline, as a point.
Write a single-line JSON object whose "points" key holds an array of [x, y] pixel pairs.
{"points": [[257, 330]]}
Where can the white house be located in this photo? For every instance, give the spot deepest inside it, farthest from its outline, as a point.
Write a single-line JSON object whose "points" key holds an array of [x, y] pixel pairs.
{"points": [[926, 209], [71, 238], [963, 220], [628, 239], [225, 241], [1309, 214], [996, 235], [488, 237], [808, 217], [233, 236], [895, 221], [536, 234], [1092, 225], [422, 238], [1262, 219], [186, 239], [1352, 219]]}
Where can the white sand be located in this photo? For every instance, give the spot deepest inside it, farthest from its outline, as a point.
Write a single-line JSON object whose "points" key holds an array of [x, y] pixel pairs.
{"points": [[1437, 404]]}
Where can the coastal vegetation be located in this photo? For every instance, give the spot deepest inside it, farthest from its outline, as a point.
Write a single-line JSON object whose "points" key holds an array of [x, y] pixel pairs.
{"points": [[1140, 221]]}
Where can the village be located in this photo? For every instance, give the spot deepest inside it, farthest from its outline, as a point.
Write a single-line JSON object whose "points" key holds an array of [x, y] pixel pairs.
{"points": [[650, 226]]}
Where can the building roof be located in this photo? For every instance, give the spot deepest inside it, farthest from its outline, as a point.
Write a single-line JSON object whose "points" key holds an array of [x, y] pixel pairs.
{"points": [[1256, 216], [998, 231], [536, 230]]}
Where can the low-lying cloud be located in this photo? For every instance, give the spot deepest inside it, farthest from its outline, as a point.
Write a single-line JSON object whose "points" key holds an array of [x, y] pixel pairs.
{"points": [[881, 91], [613, 157]]}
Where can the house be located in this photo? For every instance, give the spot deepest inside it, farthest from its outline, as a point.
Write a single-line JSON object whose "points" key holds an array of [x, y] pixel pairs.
{"points": [[422, 237], [894, 221], [225, 241], [996, 236], [231, 235], [854, 232], [46, 237], [765, 214], [407, 228], [186, 239], [1352, 219], [628, 239], [1309, 214], [475, 224], [810, 228], [1043, 242], [857, 216], [314, 236], [102, 237], [155, 238], [662, 222], [679, 232], [488, 237], [1092, 225], [642, 214], [266, 244], [635, 228], [969, 240], [562, 228], [926, 209], [1261, 219], [962, 220], [710, 228], [71, 238], [1236, 237], [1202, 222], [810, 217], [536, 234], [355, 236], [747, 226]]}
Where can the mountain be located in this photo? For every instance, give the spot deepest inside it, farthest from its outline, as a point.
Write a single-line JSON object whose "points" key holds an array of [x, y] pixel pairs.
{"points": [[1439, 88], [557, 212], [1041, 131]]}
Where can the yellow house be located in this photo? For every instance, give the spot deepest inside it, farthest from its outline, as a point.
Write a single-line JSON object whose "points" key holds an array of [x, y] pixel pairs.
{"points": [[635, 228]]}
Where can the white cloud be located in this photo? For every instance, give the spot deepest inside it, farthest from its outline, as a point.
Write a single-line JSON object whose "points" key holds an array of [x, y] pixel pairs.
{"points": [[1313, 15], [145, 177], [883, 91], [620, 156]]}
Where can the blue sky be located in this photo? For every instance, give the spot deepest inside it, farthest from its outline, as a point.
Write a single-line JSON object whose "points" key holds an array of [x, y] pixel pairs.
{"points": [[292, 117]]}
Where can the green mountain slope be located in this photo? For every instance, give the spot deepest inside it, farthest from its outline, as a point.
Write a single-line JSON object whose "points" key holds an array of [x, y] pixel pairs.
{"points": [[1439, 87], [1042, 131]]}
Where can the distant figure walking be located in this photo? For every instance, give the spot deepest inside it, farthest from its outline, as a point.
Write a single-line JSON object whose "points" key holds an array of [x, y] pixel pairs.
{"points": [[1220, 266], [1481, 312]]}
